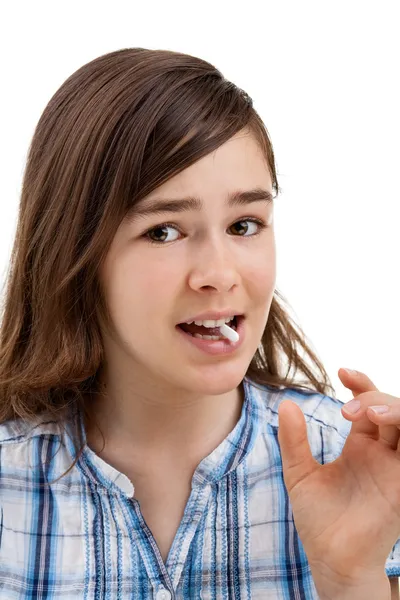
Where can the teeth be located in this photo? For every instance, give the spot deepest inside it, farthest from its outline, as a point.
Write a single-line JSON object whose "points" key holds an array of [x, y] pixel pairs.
{"points": [[207, 337], [210, 323]]}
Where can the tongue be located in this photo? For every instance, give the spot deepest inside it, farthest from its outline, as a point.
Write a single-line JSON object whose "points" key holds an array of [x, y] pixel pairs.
{"points": [[192, 328]]}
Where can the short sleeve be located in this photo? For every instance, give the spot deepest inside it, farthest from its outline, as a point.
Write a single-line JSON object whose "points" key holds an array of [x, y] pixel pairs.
{"points": [[392, 565]]}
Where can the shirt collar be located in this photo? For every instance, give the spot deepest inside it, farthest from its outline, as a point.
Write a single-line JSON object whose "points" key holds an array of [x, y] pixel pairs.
{"points": [[236, 446], [220, 462]]}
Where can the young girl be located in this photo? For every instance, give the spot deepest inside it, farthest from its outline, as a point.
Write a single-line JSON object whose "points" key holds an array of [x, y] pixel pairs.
{"points": [[145, 353]]}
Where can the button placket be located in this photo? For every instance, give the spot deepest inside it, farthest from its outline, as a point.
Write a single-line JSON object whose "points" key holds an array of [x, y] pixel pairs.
{"points": [[162, 594]]}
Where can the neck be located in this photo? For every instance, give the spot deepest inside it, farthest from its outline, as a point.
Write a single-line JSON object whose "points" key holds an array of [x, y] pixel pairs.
{"points": [[180, 426]]}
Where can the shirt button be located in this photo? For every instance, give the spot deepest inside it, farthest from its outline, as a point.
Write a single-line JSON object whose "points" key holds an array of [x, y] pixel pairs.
{"points": [[163, 595]]}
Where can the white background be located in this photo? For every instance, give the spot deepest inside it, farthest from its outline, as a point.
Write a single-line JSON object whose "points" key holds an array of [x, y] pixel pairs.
{"points": [[324, 78]]}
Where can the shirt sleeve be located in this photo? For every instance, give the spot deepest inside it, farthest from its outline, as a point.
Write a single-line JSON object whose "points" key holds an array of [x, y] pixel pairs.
{"points": [[392, 565]]}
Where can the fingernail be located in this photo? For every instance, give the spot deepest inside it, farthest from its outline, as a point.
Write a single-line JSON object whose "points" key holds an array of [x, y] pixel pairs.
{"points": [[382, 408], [352, 406], [351, 371]]}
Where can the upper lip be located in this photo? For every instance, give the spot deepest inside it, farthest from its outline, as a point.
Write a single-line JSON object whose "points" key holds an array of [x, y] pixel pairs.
{"points": [[214, 316]]}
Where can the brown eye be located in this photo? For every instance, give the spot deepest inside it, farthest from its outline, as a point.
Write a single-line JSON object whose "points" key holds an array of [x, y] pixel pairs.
{"points": [[242, 227], [160, 233]]}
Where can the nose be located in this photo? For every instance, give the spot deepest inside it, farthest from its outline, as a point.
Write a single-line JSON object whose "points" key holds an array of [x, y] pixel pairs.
{"points": [[215, 267]]}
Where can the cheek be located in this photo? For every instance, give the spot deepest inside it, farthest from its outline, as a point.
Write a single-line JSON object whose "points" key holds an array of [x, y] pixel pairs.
{"points": [[157, 281], [139, 289], [261, 273]]}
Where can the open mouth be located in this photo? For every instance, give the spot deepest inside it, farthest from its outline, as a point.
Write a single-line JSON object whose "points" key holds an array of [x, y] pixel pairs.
{"points": [[201, 331]]}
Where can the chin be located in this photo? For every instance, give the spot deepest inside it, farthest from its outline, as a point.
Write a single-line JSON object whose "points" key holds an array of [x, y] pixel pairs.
{"points": [[214, 381]]}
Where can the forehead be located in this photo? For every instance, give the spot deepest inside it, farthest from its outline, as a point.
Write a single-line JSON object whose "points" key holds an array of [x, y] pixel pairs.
{"points": [[239, 163]]}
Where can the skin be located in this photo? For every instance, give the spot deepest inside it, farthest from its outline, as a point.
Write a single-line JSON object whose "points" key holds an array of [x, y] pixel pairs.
{"points": [[162, 397], [355, 520], [173, 405]]}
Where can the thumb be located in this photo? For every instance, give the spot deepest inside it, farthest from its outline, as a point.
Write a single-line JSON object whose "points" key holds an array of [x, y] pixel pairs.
{"points": [[297, 459]]}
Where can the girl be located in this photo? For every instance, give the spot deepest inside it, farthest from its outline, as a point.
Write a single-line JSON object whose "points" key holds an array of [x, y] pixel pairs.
{"points": [[145, 353]]}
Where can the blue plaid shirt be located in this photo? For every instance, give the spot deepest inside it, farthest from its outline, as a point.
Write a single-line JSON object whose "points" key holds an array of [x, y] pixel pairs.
{"points": [[85, 537]]}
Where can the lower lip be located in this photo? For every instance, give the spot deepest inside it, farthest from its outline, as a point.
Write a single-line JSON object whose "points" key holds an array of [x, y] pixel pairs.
{"points": [[216, 347]]}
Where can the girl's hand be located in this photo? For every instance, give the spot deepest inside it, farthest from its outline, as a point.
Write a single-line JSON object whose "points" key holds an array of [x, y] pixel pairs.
{"points": [[347, 512]]}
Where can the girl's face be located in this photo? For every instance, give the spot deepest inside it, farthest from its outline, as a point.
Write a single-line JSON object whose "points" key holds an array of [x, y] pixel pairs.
{"points": [[206, 259]]}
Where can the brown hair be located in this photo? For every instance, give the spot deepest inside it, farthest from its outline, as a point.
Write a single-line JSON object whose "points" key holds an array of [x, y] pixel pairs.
{"points": [[117, 128]]}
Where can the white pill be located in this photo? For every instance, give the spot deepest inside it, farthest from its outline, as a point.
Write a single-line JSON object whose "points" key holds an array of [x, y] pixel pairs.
{"points": [[229, 333]]}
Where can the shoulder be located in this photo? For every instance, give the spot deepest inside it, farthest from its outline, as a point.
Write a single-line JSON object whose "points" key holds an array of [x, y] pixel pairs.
{"points": [[37, 449], [24, 443], [326, 426], [17, 431]]}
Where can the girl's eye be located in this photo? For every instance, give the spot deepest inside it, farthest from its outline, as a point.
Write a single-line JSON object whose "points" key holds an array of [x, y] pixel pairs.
{"points": [[240, 228], [160, 235]]}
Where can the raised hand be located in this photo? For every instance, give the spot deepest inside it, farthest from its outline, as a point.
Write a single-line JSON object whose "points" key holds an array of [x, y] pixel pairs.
{"points": [[347, 512]]}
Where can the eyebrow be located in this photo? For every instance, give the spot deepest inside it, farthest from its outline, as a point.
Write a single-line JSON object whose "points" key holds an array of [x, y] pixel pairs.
{"points": [[192, 203]]}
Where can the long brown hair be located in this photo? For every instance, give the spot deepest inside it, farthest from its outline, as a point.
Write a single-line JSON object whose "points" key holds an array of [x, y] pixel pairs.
{"points": [[117, 128]]}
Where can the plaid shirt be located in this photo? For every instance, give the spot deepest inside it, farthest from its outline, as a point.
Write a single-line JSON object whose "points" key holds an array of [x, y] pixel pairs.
{"points": [[85, 537]]}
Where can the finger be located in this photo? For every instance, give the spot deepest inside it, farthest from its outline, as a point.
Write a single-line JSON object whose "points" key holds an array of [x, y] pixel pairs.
{"points": [[357, 382], [297, 459], [388, 422], [363, 421]]}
